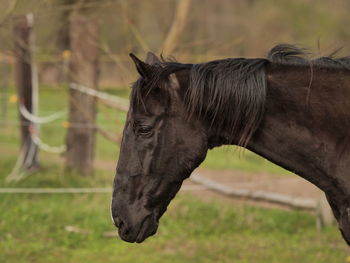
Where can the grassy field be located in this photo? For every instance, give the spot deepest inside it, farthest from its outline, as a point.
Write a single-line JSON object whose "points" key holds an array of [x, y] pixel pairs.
{"points": [[32, 227]]}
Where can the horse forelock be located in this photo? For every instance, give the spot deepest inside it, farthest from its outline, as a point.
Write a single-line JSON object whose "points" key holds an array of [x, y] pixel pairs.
{"points": [[144, 86]]}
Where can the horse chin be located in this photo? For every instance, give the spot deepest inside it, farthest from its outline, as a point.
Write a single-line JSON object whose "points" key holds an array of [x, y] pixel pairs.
{"points": [[147, 228], [146, 232]]}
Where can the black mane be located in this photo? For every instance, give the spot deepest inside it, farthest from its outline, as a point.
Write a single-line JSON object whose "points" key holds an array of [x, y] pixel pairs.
{"points": [[230, 93], [289, 54]]}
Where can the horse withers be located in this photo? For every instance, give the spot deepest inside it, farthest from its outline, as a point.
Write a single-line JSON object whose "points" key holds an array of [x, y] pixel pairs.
{"points": [[292, 110]]}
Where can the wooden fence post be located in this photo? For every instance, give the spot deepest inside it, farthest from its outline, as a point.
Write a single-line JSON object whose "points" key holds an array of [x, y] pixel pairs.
{"points": [[324, 213], [23, 79], [4, 88], [82, 71]]}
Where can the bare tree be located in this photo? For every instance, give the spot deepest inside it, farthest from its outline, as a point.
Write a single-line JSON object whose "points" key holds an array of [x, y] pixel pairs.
{"points": [[177, 27], [24, 83], [82, 71], [63, 32]]}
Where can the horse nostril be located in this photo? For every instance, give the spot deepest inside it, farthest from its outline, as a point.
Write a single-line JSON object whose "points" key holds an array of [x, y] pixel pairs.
{"points": [[139, 196], [126, 231], [118, 222]]}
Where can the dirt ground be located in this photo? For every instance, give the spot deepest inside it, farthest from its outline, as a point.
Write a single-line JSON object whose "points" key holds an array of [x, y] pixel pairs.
{"points": [[292, 185]]}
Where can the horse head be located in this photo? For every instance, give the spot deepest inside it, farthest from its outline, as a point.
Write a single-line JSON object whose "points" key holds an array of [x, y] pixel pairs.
{"points": [[160, 148]]}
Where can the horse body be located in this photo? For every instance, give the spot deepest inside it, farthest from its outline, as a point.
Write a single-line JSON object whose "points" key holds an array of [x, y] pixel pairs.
{"points": [[292, 111], [306, 130]]}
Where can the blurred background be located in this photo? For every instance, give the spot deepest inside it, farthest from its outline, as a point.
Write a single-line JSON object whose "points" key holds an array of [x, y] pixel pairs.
{"points": [[65, 77]]}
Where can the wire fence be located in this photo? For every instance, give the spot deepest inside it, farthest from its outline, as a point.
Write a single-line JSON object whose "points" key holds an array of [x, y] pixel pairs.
{"points": [[78, 190], [34, 122]]}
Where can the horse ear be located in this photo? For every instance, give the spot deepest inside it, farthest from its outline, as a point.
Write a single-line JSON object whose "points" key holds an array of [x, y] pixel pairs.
{"points": [[152, 59], [143, 68]]}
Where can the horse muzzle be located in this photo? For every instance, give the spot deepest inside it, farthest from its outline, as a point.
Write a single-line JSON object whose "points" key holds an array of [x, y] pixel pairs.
{"points": [[131, 232]]}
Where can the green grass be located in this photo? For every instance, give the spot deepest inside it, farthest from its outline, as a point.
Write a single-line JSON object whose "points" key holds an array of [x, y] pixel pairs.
{"points": [[33, 230]]}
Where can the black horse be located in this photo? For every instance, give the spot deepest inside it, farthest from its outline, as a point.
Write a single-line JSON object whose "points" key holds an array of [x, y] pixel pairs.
{"points": [[292, 110]]}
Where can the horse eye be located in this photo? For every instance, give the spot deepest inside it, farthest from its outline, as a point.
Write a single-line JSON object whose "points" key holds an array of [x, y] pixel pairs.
{"points": [[144, 130]]}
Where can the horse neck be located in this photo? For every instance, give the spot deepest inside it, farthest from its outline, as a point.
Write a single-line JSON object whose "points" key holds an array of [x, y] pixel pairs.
{"points": [[305, 130], [306, 124]]}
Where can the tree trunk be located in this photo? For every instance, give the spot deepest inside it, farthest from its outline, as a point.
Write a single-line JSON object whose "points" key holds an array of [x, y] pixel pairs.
{"points": [[63, 31], [177, 27], [4, 89], [23, 75], [82, 114]]}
